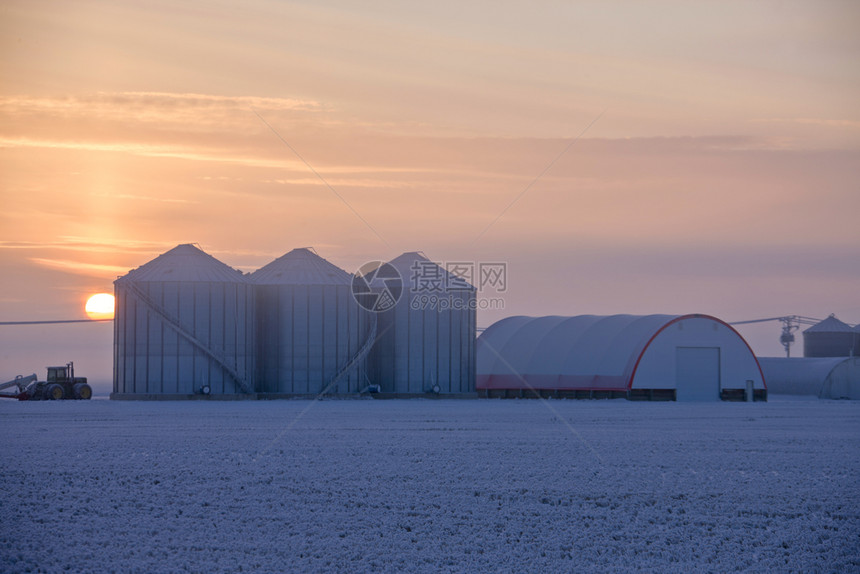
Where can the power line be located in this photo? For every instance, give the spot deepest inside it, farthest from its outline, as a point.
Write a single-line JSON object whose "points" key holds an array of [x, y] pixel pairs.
{"points": [[54, 322]]}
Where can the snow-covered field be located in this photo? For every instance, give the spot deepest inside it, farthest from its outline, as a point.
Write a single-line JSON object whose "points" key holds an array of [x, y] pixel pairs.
{"points": [[424, 485]]}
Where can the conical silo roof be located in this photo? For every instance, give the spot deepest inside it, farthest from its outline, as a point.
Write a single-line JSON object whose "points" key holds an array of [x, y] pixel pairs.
{"points": [[830, 325], [186, 263], [301, 266], [415, 266]]}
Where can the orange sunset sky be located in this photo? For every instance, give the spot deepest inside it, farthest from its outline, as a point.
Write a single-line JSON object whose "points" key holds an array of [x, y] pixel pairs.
{"points": [[717, 168]]}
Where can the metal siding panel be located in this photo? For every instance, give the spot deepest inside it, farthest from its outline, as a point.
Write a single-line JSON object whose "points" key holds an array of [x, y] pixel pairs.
{"points": [[201, 313], [170, 340], [141, 330], [116, 324], [201, 331], [466, 350], [455, 352], [301, 344], [468, 343], [131, 345], [386, 365], [274, 360], [364, 321], [217, 326], [247, 336], [414, 353], [345, 318], [399, 351], [346, 343], [234, 329], [268, 337], [155, 345], [360, 324], [462, 352], [286, 353], [186, 376], [315, 337], [430, 349], [828, 343], [118, 340], [472, 345], [331, 352], [464, 369], [445, 345], [216, 337]]}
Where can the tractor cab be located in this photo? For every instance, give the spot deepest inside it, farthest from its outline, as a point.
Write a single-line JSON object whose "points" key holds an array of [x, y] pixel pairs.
{"points": [[59, 374]]}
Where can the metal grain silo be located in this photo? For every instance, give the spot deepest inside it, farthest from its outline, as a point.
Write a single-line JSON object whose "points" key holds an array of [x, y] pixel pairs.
{"points": [[426, 342], [312, 337], [183, 325], [829, 338]]}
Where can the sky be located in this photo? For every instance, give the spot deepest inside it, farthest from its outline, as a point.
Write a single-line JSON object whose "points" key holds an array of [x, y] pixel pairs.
{"points": [[619, 157]]}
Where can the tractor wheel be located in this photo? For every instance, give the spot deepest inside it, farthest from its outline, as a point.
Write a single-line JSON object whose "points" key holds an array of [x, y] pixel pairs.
{"points": [[56, 392], [83, 391]]}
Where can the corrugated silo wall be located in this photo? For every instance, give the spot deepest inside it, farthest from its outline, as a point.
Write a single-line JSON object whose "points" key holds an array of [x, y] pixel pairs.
{"points": [[829, 344], [306, 335], [153, 357], [420, 348]]}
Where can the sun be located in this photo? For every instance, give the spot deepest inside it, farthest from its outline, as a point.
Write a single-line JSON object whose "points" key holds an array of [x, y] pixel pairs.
{"points": [[100, 306]]}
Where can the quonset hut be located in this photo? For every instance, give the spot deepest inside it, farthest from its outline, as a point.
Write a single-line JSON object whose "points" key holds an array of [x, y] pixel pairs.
{"points": [[183, 325], [823, 377], [426, 341], [831, 338], [312, 337], [686, 357]]}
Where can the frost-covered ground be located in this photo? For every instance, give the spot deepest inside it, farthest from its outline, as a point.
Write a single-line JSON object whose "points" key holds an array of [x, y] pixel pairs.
{"points": [[422, 485]]}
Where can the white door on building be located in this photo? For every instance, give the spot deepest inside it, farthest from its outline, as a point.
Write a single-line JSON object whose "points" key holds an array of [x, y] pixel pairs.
{"points": [[697, 373]]}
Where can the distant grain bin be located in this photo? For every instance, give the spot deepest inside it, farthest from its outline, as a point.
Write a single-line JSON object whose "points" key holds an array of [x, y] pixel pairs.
{"points": [[831, 338], [426, 342], [312, 336], [658, 357], [183, 326]]}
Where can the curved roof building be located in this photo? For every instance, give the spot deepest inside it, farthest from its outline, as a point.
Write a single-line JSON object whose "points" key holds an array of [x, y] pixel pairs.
{"points": [[686, 357], [823, 377]]}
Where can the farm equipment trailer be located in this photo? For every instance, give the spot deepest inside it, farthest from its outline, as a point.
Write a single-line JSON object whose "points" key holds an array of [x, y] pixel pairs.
{"points": [[61, 383]]}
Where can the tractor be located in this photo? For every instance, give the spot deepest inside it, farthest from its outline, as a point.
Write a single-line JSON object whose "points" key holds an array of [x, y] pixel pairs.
{"points": [[61, 383]]}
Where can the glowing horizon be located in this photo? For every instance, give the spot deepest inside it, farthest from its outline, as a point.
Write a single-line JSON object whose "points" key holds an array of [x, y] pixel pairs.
{"points": [[719, 175]]}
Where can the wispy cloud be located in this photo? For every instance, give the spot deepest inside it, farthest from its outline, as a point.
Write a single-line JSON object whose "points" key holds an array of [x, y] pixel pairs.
{"points": [[197, 154], [74, 243], [340, 182], [80, 267], [147, 106], [824, 122], [149, 150], [142, 197]]}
